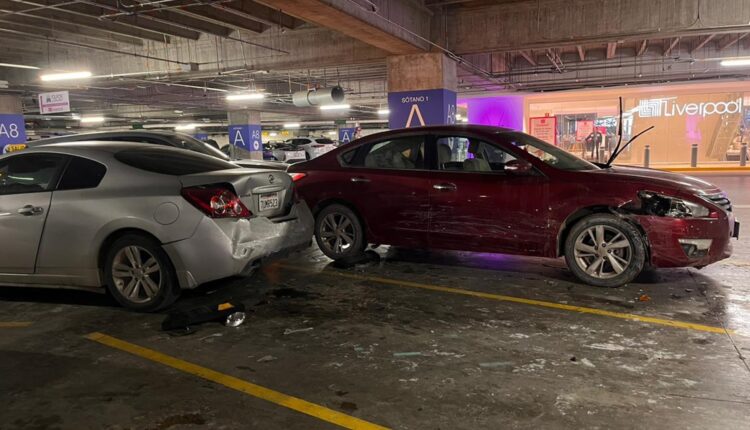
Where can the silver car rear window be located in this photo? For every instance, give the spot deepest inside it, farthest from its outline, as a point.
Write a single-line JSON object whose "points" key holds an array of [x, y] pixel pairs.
{"points": [[176, 163]]}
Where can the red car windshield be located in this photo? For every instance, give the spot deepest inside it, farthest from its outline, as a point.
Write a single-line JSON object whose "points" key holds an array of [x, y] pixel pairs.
{"points": [[547, 153]]}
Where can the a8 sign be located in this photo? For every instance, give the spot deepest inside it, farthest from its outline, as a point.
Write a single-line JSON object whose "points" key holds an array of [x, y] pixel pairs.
{"points": [[12, 130]]}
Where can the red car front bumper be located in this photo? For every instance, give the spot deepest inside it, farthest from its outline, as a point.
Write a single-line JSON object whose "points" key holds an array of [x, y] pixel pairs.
{"points": [[664, 234]]}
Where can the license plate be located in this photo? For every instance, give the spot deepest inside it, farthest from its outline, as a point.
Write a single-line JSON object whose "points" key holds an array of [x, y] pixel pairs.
{"points": [[268, 201], [736, 232], [294, 155]]}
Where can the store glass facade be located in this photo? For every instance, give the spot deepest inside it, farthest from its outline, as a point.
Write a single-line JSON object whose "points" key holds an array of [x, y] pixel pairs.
{"points": [[713, 118]]}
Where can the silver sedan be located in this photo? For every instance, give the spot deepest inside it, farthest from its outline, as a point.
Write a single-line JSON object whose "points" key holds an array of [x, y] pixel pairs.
{"points": [[143, 220]]}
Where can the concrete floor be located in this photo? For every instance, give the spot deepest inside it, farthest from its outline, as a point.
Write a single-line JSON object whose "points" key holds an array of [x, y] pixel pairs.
{"points": [[395, 353]]}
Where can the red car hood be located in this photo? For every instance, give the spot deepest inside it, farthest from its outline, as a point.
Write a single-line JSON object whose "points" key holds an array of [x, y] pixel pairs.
{"points": [[659, 177]]}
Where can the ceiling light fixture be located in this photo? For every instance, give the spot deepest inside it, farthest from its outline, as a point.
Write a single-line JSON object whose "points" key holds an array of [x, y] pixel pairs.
{"points": [[91, 119], [335, 107], [273, 134], [384, 111], [18, 66], [246, 96], [65, 76], [332, 133], [735, 63], [185, 127], [291, 125]]}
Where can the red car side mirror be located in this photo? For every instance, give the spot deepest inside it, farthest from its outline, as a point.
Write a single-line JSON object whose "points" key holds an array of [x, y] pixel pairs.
{"points": [[518, 167]]}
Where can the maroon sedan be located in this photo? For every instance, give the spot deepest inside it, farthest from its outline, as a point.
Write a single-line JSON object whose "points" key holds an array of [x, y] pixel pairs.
{"points": [[488, 189]]}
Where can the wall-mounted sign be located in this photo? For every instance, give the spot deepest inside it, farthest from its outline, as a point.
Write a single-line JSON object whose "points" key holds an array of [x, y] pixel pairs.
{"points": [[346, 135], [12, 132], [544, 128], [56, 102], [246, 136], [201, 136], [420, 108], [653, 108]]}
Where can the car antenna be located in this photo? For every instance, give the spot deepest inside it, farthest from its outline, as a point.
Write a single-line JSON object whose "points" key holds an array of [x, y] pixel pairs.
{"points": [[616, 153]]}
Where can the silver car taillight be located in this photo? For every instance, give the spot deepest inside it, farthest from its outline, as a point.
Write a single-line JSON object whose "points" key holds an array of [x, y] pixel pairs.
{"points": [[216, 201]]}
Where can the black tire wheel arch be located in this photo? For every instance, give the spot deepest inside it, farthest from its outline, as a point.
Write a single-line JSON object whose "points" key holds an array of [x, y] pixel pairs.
{"points": [[168, 288], [339, 213], [637, 253]]}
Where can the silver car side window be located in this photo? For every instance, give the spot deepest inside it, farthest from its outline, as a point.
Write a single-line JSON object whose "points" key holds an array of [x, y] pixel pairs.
{"points": [[30, 173]]}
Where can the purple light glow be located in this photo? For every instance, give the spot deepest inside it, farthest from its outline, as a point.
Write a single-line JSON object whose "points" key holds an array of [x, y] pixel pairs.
{"points": [[501, 111]]}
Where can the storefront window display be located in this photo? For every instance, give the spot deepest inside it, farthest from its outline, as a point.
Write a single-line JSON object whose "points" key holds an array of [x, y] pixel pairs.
{"points": [[714, 118]]}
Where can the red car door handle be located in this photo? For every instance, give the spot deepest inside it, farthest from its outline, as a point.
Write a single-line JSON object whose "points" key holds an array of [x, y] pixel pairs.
{"points": [[447, 186], [359, 179]]}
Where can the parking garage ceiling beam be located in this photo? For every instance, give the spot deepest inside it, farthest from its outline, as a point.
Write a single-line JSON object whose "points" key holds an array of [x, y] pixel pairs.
{"points": [[90, 8], [528, 56], [169, 17], [581, 52], [11, 8], [540, 24], [731, 39], [33, 24], [671, 46], [611, 50], [702, 42], [368, 24], [642, 48], [220, 16], [259, 13]]}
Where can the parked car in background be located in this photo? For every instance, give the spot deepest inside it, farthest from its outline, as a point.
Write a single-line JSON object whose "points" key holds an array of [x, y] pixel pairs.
{"points": [[489, 189], [312, 146], [266, 163], [157, 137], [146, 221], [288, 153]]}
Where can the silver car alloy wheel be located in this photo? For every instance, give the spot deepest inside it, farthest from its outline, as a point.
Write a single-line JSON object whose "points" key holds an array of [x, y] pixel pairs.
{"points": [[137, 274], [337, 233], [603, 252]]}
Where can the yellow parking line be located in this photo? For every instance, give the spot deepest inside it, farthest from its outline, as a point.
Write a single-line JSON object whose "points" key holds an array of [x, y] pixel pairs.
{"points": [[15, 324], [532, 302], [281, 399]]}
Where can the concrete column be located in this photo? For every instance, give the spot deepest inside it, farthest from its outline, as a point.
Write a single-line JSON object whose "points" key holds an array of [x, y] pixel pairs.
{"points": [[244, 133], [12, 127], [421, 90]]}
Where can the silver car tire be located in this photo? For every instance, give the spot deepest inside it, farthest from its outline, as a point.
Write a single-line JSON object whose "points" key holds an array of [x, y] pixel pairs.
{"points": [[605, 251], [139, 274], [339, 233]]}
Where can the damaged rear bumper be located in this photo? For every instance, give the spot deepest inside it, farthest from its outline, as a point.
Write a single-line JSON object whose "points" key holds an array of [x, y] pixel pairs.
{"points": [[221, 248]]}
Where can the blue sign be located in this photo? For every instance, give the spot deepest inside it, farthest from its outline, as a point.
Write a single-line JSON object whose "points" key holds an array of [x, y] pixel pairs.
{"points": [[12, 131], [346, 135], [201, 136], [246, 136], [420, 108]]}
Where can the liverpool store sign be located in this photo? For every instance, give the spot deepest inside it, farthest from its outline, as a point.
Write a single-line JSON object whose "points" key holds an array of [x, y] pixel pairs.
{"points": [[653, 108]]}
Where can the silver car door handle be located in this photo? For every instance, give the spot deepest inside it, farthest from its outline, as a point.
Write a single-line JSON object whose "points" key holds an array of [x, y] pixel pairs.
{"points": [[357, 179], [30, 210], [445, 187]]}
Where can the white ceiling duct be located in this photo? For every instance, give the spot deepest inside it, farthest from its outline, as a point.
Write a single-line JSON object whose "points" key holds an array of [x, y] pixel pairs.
{"points": [[318, 97]]}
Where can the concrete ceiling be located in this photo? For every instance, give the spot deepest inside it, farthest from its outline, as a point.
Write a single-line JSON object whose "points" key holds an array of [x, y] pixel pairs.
{"points": [[152, 58]]}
